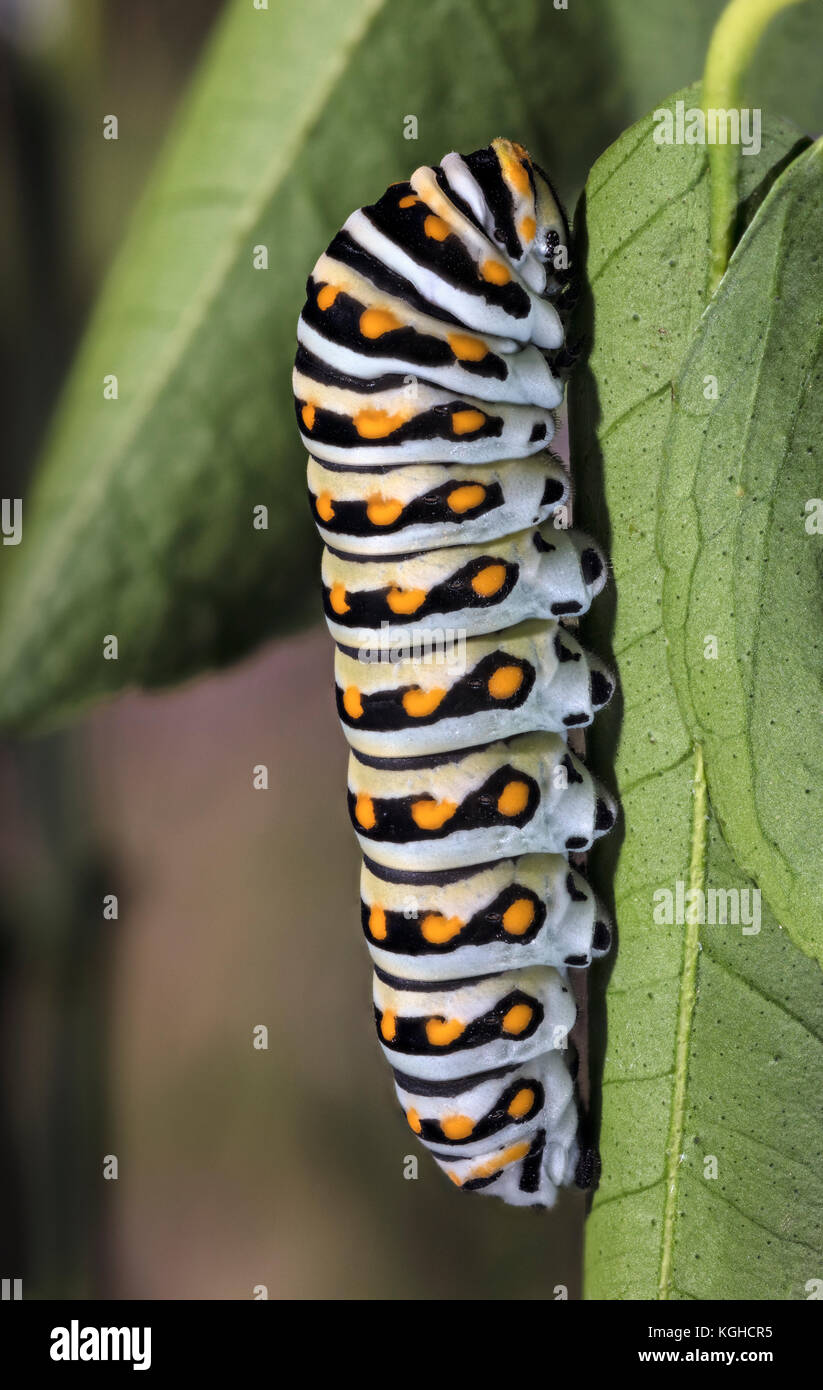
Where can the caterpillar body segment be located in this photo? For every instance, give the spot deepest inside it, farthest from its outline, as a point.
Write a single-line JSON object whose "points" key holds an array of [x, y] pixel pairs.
{"points": [[514, 1128], [384, 509], [539, 573], [446, 1028], [523, 795], [457, 692], [427, 370], [504, 915]]}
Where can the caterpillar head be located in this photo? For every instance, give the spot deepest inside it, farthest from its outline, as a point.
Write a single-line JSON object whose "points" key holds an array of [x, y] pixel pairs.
{"points": [[526, 181]]}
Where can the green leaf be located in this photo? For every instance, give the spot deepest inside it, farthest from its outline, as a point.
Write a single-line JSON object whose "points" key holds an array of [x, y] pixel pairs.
{"points": [[741, 565], [691, 1065]]}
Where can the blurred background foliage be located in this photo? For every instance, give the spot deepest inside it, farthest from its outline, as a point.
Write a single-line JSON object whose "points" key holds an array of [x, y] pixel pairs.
{"points": [[237, 907]]}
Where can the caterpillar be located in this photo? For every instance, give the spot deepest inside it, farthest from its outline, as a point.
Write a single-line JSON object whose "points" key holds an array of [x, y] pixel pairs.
{"points": [[429, 364]]}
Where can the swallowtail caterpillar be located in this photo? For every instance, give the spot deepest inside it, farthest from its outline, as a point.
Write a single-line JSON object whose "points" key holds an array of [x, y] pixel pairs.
{"points": [[426, 375]]}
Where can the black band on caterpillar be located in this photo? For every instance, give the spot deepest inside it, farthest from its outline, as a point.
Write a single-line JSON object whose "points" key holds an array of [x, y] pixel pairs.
{"points": [[426, 373]]}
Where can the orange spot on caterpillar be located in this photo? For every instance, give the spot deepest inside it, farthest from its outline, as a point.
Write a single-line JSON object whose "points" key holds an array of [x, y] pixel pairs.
{"points": [[364, 812], [513, 799], [521, 1104], [495, 272], [377, 923], [487, 581], [432, 815], [414, 1120], [375, 322], [466, 421], [442, 1031], [527, 229], [388, 1025], [326, 296], [383, 511], [514, 162], [436, 228], [418, 703], [490, 1166], [505, 682], [405, 600], [518, 917], [437, 929], [517, 1019], [376, 424], [457, 1126], [337, 598], [352, 702], [465, 347], [308, 413], [409, 201], [463, 499], [325, 507]]}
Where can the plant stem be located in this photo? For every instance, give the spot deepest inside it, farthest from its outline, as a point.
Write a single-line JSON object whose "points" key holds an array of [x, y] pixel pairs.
{"points": [[731, 48]]}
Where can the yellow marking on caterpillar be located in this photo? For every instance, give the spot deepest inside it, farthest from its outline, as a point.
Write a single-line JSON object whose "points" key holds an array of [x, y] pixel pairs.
{"points": [[488, 581], [375, 322], [457, 1126], [495, 272], [383, 511], [513, 799], [337, 598], [377, 923], [413, 1120], [353, 702], [419, 703], [442, 1031], [432, 815], [491, 1166], [326, 296], [465, 347], [505, 682], [388, 1025], [521, 1104], [517, 1019], [437, 930], [405, 600], [308, 413], [364, 812], [377, 424], [325, 507], [436, 228], [466, 421], [518, 917], [463, 499], [514, 163]]}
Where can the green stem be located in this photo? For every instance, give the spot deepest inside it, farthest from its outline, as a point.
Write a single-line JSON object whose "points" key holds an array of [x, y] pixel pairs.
{"points": [[731, 48]]}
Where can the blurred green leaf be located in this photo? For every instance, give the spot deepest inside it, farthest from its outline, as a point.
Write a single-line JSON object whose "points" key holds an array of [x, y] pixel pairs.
{"points": [[740, 564], [140, 523], [711, 1032]]}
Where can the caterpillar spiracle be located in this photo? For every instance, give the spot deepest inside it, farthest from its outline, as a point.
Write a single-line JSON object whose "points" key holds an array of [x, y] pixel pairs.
{"points": [[427, 371]]}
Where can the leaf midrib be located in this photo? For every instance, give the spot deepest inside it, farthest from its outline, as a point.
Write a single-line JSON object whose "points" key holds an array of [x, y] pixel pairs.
{"points": [[685, 1016]]}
